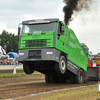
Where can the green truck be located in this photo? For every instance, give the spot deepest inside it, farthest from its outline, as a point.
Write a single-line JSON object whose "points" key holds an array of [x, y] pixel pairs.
{"points": [[50, 47]]}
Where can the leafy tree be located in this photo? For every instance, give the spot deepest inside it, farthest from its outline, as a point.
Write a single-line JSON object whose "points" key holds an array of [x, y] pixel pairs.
{"points": [[9, 41]]}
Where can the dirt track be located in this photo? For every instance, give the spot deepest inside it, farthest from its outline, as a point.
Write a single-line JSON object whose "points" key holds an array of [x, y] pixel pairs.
{"points": [[12, 87]]}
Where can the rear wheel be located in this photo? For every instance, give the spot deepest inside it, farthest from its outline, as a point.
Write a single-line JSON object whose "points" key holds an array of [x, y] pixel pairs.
{"points": [[63, 80], [54, 79], [61, 66], [28, 69], [71, 78], [47, 79], [79, 78]]}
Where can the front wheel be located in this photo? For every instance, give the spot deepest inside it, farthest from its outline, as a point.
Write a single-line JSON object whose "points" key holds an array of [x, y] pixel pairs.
{"points": [[79, 78], [61, 66], [28, 69]]}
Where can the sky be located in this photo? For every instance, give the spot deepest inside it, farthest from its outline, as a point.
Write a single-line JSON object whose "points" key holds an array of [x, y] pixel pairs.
{"points": [[86, 24]]}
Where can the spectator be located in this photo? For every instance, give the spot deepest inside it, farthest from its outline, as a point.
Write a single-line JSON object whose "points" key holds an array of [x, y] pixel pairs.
{"points": [[2, 58]]}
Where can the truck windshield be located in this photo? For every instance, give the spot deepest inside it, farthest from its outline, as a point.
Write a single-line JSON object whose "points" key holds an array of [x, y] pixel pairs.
{"points": [[38, 28]]}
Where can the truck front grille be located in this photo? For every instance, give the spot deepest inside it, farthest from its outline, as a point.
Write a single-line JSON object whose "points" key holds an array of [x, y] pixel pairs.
{"points": [[36, 43]]}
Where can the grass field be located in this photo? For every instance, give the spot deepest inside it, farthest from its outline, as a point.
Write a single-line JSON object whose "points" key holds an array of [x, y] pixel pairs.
{"points": [[86, 93], [17, 74]]}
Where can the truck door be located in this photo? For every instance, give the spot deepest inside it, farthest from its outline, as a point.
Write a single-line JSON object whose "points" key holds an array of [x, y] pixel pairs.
{"points": [[66, 40], [63, 36]]}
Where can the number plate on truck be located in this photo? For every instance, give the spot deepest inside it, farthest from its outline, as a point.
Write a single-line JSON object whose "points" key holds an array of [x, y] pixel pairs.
{"points": [[34, 54]]}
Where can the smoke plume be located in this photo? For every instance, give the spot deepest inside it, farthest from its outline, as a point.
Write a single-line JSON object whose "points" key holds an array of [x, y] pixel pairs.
{"points": [[74, 6]]}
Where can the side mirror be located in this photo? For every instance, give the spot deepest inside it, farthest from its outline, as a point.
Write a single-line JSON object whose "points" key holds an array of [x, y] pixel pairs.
{"points": [[19, 30], [59, 34], [62, 29]]}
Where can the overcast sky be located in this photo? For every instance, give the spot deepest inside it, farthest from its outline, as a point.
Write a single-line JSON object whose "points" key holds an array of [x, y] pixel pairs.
{"points": [[86, 25]]}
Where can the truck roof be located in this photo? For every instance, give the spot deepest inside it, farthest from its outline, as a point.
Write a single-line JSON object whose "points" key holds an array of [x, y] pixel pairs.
{"points": [[40, 21]]}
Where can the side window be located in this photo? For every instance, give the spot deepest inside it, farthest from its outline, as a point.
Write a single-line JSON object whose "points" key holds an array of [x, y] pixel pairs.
{"points": [[61, 29]]}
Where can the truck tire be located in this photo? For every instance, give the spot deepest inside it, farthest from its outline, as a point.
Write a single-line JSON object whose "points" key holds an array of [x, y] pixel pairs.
{"points": [[47, 79], [71, 78], [61, 67], [79, 78], [28, 69], [63, 80], [54, 79]]}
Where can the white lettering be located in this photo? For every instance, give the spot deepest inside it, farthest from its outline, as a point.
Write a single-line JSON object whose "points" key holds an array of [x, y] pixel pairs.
{"points": [[21, 54], [39, 21], [49, 53]]}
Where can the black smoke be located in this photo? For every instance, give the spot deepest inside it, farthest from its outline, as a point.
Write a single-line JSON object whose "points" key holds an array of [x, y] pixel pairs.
{"points": [[75, 6]]}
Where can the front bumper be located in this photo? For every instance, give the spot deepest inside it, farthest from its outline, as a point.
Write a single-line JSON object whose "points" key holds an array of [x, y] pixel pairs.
{"points": [[50, 54]]}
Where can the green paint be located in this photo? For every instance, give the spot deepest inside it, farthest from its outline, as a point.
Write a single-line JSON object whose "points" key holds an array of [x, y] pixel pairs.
{"points": [[72, 47], [36, 40]]}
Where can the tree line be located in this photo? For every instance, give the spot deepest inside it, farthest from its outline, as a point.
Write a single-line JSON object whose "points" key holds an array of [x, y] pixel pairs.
{"points": [[9, 41]]}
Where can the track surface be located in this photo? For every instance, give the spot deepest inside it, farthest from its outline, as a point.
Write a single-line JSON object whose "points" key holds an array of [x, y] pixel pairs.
{"points": [[11, 87]]}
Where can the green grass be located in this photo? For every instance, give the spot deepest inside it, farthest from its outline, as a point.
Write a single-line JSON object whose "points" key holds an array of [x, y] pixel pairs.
{"points": [[17, 74]]}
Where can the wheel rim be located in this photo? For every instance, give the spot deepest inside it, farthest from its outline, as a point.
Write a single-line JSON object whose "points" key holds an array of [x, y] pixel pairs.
{"points": [[81, 76], [63, 66]]}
